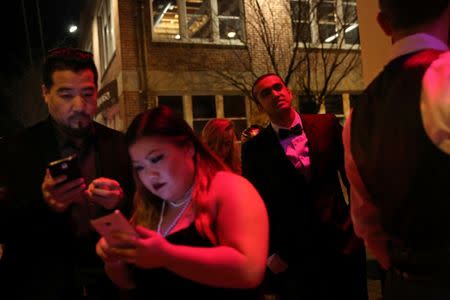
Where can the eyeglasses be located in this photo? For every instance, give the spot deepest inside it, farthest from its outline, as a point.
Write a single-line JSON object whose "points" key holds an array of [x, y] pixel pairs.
{"points": [[70, 52], [267, 91]]}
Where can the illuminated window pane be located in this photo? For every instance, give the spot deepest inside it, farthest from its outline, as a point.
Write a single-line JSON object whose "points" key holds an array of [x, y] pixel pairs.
{"points": [[198, 19], [350, 15], [166, 19], [106, 34], [230, 28], [229, 19], [301, 24], [327, 33], [229, 8], [326, 11], [351, 35]]}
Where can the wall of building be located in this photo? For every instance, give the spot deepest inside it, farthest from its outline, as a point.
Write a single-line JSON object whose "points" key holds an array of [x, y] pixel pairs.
{"points": [[146, 71], [375, 44]]}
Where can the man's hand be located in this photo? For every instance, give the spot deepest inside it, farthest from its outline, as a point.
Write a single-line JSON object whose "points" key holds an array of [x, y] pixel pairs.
{"points": [[105, 192], [58, 195]]}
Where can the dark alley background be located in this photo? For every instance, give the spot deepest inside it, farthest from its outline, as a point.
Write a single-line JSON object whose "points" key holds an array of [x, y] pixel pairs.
{"points": [[29, 28]]}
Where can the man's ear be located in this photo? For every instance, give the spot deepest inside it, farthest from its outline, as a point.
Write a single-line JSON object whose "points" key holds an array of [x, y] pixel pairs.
{"points": [[45, 93], [384, 23], [259, 106]]}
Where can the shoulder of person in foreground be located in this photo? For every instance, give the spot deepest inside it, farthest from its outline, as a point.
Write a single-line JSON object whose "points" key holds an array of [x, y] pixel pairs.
{"points": [[241, 218], [233, 188], [435, 102]]}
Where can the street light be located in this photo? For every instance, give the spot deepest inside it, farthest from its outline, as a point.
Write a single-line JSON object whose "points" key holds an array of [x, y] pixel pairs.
{"points": [[73, 28]]}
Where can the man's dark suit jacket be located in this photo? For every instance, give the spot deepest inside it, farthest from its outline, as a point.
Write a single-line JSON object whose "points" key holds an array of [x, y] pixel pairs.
{"points": [[41, 250], [310, 225]]}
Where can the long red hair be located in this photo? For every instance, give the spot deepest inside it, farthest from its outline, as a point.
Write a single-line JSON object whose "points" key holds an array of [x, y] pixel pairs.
{"points": [[163, 122]]}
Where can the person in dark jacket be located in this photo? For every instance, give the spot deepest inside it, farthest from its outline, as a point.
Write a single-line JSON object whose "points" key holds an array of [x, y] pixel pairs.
{"points": [[397, 154], [49, 245], [295, 164]]}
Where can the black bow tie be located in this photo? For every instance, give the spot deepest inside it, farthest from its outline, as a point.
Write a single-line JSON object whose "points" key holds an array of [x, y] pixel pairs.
{"points": [[285, 133]]}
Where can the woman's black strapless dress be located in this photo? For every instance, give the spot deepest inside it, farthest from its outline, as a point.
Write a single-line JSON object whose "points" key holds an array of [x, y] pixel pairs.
{"points": [[163, 284]]}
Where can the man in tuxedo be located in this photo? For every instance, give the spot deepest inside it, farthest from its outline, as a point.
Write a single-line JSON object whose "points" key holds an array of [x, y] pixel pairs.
{"points": [[49, 244], [294, 164], [397, 153]]}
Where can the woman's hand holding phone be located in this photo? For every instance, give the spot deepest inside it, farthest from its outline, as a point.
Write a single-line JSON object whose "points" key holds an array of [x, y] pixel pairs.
{"points": [[121, 242]]}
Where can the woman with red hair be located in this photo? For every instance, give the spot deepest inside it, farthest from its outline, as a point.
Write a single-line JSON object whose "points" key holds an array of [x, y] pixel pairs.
{"points": [[202, 230], [219, 136]]}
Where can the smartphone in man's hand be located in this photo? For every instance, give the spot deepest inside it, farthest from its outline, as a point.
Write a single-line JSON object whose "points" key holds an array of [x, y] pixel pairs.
{"points": [[66, 166], [113, 223]]}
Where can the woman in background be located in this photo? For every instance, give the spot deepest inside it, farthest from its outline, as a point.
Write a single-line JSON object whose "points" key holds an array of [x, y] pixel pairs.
{"points": [[219, 136], [202, 231]]}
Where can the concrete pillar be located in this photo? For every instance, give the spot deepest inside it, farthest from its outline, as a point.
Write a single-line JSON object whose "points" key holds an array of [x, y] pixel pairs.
{"points": [[375, 45]]}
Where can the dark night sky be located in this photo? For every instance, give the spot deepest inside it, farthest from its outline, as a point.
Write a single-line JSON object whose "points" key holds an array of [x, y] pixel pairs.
{"points": [[20, 98], [56, 15]]}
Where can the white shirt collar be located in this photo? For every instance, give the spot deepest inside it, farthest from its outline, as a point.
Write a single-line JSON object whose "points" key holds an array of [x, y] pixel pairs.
{"points": [[416, 42], [296, 121]]}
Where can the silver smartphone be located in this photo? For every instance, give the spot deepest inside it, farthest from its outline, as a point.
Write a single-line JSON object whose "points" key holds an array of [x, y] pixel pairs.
{"points": [[109, 224]]}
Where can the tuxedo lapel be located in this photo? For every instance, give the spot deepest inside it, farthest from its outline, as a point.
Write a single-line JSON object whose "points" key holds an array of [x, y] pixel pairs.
{"points": [[273, 151]]}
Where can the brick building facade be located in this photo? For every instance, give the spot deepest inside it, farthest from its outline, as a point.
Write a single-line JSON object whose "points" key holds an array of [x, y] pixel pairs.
{"points": [[176, 52]]}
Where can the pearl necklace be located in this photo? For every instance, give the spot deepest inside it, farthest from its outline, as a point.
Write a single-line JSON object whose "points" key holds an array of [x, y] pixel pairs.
{"points": [[184, 203], [187, 197]]}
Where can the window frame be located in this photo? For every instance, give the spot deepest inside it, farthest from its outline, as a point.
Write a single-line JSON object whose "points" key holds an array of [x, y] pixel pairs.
{"points": [[315, 25], [107, 41], [215, 29], [188, 113]]}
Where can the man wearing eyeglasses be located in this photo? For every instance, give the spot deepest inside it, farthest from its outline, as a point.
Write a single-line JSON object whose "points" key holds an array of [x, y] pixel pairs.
{"points": [[49, 243], [294, 164]]}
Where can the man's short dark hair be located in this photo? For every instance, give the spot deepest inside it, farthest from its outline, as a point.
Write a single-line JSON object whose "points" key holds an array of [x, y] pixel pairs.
{"points": [[254, 96], [407, 14], [72, 59]]}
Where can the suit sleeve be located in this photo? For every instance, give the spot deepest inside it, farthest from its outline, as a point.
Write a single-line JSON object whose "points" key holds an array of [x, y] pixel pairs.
{"points": [[435, 102]]}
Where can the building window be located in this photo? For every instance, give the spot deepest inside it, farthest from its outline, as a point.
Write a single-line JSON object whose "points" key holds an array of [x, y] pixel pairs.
{"points": [[325, 21], [333, 105], [174, 102], [354, 99], [198, 110], [215, 21], [203, 110], [234, 110], [351, 32], [106, 33]]}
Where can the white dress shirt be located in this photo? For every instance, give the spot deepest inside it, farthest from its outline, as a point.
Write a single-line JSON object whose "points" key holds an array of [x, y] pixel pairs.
{"points": [[296, 147]]}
